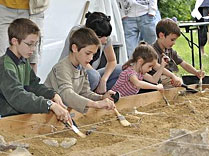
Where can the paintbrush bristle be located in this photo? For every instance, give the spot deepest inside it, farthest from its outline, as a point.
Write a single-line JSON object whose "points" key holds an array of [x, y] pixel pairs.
{"points": [[125, 123], [81, 134], [122, 119]]}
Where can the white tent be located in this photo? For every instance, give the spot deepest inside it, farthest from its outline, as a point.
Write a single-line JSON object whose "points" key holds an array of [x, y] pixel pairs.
{"points": [[61, 16]]}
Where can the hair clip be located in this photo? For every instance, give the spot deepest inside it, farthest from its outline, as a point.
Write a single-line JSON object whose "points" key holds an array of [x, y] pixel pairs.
{"points": [[88, 14], [108, 18]]}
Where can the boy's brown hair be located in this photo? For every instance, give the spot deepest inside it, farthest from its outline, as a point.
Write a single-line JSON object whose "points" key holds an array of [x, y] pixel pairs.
{"points": [[20, 28], [84, 37], [167, 26]]}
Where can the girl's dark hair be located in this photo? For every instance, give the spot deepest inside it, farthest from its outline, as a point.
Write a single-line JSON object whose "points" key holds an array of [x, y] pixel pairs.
{"points": [[99, 22], [144, 51], [84, 37]]}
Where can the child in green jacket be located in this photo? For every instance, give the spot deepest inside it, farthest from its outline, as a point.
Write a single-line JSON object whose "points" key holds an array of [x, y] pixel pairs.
{"points": [[20, 91]]}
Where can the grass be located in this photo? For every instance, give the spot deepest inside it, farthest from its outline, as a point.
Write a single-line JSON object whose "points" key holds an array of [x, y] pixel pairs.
{"points": [[184, 51]]}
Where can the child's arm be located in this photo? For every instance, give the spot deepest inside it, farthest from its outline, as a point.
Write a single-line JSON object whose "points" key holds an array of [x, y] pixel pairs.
{"points": [[20, 100], [176, 80], [190, 69], [109, 68], [144, 85], [102, 104], [155, 78], [39, 89], [96, 100]]}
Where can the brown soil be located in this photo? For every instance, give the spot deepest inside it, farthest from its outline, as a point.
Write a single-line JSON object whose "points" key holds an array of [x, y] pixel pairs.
{"points": [[146, 134]]}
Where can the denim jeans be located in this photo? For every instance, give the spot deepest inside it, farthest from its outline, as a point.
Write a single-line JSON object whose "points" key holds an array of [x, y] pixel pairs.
{"points": [[94, 77], [139, 28], [157, 17]]}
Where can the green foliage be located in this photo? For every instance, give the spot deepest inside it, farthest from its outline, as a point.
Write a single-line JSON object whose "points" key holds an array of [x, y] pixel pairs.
{"points": [[181, 9], [184, 51]]}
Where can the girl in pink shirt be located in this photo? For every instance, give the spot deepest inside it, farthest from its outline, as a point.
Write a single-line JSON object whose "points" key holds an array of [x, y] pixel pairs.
{"points": [[136, 69]]}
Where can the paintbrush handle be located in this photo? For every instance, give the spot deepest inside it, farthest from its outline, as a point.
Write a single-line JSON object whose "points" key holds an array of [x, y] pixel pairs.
{"points": [[184, 86], [117, 113], [200, 83], [68, 122]]}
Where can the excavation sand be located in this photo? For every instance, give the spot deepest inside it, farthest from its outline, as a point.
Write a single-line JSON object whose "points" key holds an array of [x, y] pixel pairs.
{"points": [[144, 137]]}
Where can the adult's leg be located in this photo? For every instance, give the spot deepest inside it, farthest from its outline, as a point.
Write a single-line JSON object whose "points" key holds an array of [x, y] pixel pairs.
{"points": [[147, 25], [34, 59], [94, 78], [204, 30], [6, 17], [131, 32], [113, 77], [157, 17]]}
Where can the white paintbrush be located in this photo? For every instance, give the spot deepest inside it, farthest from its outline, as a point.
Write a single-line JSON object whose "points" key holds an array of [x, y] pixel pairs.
{"points": [[121, 118], [200, 82], [75, 129]]}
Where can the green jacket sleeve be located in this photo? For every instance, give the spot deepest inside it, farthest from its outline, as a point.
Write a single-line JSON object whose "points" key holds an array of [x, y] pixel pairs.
{"points": [[18, 98], [39, 89]]}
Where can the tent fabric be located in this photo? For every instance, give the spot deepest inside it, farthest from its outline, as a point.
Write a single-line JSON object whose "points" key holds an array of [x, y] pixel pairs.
{"points": [[61, 16]]}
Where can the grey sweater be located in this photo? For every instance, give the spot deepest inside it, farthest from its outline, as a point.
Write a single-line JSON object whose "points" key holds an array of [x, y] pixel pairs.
{"points": [[72, 84]]}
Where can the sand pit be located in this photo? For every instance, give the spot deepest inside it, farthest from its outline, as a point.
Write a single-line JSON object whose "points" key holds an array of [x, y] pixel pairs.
{"points": [[144, 137]]}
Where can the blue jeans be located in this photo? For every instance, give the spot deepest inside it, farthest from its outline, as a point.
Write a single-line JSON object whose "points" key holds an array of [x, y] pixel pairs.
{"points": [[94, 77], [139, 28], [157, 17]]}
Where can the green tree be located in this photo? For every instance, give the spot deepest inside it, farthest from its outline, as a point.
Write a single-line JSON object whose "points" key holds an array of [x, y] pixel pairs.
{"points": [[181, 9]]}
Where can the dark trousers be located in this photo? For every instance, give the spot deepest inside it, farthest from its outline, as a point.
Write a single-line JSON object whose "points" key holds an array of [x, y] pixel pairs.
{"points": [[203, 29]]}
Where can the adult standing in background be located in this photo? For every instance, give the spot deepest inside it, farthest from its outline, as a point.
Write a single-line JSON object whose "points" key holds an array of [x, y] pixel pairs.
{"points": [[200, 11], [13, 9], [158, 15], [139, 21]]}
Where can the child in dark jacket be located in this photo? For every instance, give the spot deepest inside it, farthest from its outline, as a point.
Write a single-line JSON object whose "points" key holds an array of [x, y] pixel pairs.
{"points": [[20, 91]]}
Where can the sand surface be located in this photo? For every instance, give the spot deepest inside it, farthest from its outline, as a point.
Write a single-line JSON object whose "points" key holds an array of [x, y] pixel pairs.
{"points": [[143, 137]]}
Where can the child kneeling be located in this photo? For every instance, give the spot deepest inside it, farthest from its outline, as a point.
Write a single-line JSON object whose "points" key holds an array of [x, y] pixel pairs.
{"points": [[136, 69]]}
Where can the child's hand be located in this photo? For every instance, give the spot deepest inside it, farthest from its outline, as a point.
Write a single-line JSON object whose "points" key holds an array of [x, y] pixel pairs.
{"points": [[165, 60], [108, 95], [160, 87], [61, 113], [57, 99], [200, 74], [106, 103], [176, 81]]}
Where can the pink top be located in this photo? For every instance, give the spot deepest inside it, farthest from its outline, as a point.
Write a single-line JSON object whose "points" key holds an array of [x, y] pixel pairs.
{"points": [[123, 85]]}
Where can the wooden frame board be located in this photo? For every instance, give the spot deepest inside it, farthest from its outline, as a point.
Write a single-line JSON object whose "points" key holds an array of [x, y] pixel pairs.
{"points": [[46, 123]]}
